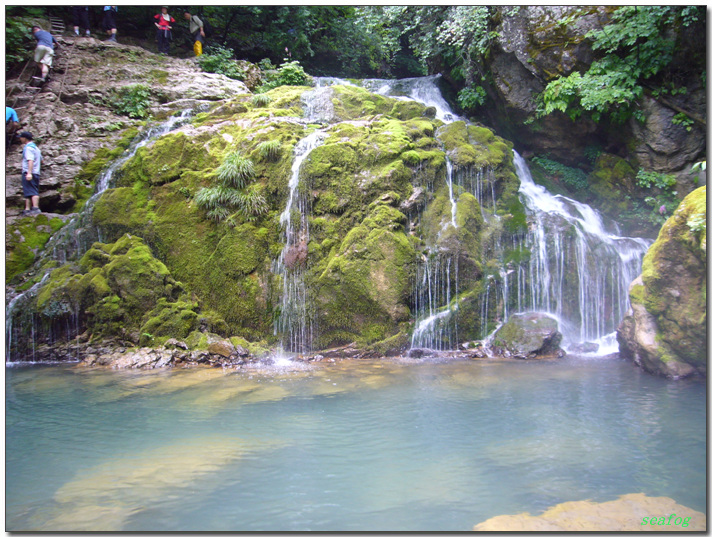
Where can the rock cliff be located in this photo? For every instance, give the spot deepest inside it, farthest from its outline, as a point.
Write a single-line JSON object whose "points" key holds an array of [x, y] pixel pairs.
{"points": [[665, 332]]}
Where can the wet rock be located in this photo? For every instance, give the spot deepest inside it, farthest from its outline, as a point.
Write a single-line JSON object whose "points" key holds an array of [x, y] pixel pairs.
{"points": [[221, 346], [584, 347], [529, 335], [173, 343], [665, 330]]}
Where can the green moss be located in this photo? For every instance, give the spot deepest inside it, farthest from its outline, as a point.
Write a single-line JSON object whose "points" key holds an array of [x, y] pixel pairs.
{"points": [[172, 319], [364, 288], [405, 110], [351, 102], [25, 239]]}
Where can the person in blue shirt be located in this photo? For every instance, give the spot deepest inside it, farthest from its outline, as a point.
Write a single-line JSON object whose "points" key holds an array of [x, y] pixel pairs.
{"points": [[12, 125], [31, 159], [109, 22], [44, 53]]}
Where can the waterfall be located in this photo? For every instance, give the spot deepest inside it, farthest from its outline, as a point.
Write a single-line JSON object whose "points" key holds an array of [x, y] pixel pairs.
{"points": [[295, 320], [77, 236], [71, 242], [436, 285], [580, 268]]}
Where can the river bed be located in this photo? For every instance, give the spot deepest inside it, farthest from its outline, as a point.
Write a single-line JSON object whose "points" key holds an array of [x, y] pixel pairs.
{"points": [[411, 445]]}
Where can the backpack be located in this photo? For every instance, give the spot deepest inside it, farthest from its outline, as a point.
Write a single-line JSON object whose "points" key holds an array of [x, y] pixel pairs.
{"points": [[207, 28]]}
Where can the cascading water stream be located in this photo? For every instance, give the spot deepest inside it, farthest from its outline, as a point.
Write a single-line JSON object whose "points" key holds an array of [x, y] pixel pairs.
{"points": [[77, 236], [436, 286], [295, 322], [579, 270]]}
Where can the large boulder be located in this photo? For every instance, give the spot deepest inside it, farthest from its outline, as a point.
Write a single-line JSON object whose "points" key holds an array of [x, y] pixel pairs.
{"points": [[529, 335], [664, 331]]}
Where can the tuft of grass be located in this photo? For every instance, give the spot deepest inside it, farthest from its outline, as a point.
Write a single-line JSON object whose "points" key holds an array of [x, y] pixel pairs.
{"points": [[261, 99], [270, 150], [236, 170]]}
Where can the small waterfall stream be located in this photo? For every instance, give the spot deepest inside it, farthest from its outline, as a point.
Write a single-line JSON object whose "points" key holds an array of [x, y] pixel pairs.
{"points": [[74, 239], [580, 269], [436, 285], [295, 321]]}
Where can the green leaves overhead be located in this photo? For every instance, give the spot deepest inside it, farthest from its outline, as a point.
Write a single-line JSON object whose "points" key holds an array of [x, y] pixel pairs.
{"points": [[638, 45]]}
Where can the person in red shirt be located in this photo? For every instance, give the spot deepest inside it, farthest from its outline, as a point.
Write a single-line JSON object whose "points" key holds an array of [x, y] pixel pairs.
{"points": [[163, 25]]}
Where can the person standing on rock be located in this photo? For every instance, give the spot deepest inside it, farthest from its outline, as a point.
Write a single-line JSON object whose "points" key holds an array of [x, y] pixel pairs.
{"points": [[109, 22], [80, 14], [163, 24], [197, 30], [31, 159], [44, 53]]}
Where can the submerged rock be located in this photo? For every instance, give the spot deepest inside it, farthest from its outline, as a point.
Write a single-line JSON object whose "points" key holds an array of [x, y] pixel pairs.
{"points": [[630, 512], [664, 332], [529, 335]]}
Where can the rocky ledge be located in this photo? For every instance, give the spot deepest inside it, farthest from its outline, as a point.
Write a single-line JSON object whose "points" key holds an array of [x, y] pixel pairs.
{"points": [[631, 512]]}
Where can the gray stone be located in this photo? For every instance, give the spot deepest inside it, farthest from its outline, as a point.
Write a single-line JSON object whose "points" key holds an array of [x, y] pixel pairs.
{"points": [[529, 335]]}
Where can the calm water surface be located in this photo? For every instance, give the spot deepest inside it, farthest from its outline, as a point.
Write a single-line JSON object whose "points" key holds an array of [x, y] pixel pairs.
{"points": [[362, 445]]}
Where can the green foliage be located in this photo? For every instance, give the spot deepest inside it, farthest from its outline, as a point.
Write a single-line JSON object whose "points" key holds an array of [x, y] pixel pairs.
{"points": [[220, 60], [16, 35], [291, 74], [232, 197], [573, 178], [470, 98], [592, 152], [664, 201], [132, 101], [697, 223], [266, 64], [637, 45], [659, 180], [682, 119], [270, 150], [459, 34], [236, 170], [288, 74], [261, 99]]}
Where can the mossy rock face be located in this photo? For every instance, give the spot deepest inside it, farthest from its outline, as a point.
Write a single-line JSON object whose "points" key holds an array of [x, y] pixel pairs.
{"points": [[116, 289], [24, 239], [529, 335], [364, 288], [675, 280], [355, 187]]}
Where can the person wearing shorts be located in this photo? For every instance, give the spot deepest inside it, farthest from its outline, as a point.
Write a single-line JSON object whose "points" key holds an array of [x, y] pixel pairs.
{"points": [[80, 14], [44, 53], [31, 159], [109, 23]]}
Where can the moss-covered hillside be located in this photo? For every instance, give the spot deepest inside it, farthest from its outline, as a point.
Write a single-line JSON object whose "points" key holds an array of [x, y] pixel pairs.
{"points": [[376, 201]]}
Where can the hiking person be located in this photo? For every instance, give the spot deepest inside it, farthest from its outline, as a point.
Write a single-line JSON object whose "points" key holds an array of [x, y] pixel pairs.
{"points": [[12, 124], [109, 22], [31, 159], [197, 30], [80, 14], [44, 53], [163, 34]]}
